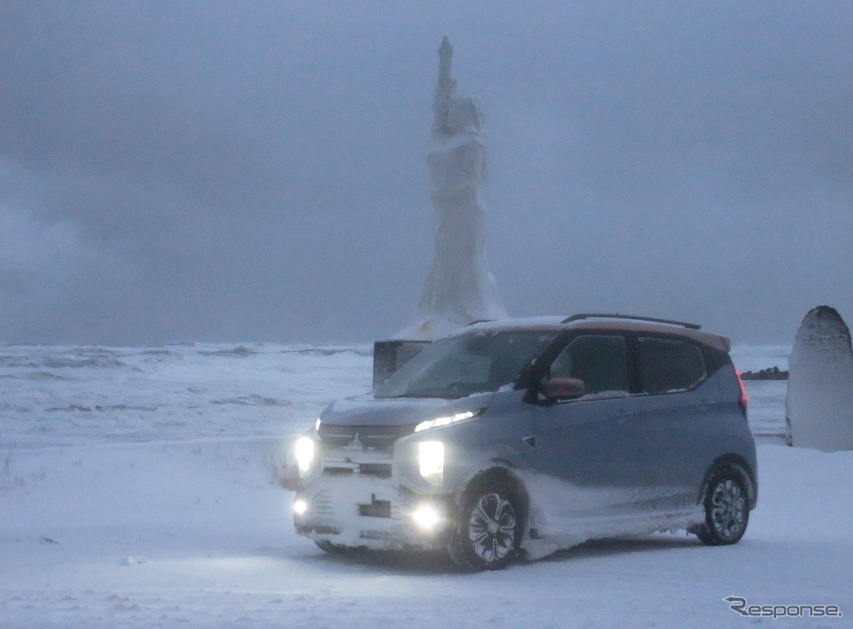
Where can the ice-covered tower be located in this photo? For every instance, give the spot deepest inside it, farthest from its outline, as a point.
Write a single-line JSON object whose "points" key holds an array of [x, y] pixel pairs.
{"points": [[459, 288], [820, 386]]}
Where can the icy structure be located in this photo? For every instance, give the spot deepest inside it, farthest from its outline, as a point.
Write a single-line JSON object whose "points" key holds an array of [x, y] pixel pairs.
{"points": [[459, 288], [820, 386]]}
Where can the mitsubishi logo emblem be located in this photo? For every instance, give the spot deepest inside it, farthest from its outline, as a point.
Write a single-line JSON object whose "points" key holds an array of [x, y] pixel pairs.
{"points": [[355, 444]]}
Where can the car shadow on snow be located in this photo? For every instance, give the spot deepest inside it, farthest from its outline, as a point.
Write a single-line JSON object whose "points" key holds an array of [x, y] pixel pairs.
{"points": [[437, 562], [622, 546], [401, 562]]}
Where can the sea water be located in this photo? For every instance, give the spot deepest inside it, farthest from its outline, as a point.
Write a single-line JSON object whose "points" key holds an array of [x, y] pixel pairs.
{"points": [[76, 395], [73, 395]]}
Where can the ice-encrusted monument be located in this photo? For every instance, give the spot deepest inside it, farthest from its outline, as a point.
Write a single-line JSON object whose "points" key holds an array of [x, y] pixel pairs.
{"points": [[819, 403], [459, 288]]}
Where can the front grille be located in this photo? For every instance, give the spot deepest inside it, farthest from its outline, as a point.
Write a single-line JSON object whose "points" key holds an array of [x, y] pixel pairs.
{"points": [[359, 450], [376, 509], [336, 470], [336, 465], [367, 437], [380, 470]]}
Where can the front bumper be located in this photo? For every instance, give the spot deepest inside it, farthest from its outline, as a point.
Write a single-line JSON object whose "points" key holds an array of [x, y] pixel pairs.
{"points": [[357, 510]]}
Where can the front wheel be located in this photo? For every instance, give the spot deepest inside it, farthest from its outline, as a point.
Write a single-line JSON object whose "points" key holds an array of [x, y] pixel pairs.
{"points": [[726, 510], [488, 530]]}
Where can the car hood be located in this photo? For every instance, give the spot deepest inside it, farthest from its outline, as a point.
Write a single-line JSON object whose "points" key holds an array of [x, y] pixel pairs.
{"points": [[367, 410]]}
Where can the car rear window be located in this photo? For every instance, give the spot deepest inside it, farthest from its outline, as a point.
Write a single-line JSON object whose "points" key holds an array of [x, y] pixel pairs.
{"points": [[669, 365]]}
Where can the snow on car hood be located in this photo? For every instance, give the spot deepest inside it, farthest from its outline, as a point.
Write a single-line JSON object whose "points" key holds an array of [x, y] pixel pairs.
{"points": [[367, 410]]}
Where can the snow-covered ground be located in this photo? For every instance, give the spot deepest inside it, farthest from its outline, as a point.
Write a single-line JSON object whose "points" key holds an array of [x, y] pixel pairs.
{"points": [[138, 488]]}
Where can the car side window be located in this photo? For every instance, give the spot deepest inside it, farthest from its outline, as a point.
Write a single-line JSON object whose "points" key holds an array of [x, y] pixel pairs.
{"points": [[599, 360], [669, 365]]}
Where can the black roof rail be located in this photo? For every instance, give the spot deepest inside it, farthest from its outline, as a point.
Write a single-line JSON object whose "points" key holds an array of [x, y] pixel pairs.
{"points": [[476, 321], [595, 315]]}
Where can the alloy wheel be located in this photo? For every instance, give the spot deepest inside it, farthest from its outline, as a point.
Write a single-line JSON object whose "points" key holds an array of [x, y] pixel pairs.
{"points": [[492, 528], [728, 509]]}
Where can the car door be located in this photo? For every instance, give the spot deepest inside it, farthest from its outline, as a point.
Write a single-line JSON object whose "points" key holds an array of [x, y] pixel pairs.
{"points": [[672, 416], [588, 460]]}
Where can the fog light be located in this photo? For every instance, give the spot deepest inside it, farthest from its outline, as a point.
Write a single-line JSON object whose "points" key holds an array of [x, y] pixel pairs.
{"points": [[426, 517], [300, 507]]}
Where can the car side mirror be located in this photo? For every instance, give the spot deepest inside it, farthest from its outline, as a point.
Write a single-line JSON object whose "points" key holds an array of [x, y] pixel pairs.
{"points": [[562, 388]]}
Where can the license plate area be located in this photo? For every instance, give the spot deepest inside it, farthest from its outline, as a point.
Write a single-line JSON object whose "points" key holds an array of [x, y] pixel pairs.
{"points": [[376, 508]]}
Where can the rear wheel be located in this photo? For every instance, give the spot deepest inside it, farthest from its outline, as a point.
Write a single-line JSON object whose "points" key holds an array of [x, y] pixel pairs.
{"points": [[726, 510], [488, 530]]}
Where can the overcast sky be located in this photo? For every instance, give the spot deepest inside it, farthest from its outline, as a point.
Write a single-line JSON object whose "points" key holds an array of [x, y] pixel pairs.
{"points": [[255, 171]]}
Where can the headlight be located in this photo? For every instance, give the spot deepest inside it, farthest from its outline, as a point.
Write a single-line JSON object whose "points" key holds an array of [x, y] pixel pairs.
{"points": [[305, 450], [444, 421], [431, 461]]}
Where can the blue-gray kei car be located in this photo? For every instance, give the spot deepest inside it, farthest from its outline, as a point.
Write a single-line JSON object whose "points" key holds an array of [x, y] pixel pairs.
{"points": [[520, 437]]}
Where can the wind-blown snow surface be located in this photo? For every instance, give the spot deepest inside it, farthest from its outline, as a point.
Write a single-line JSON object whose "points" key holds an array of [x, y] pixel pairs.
{"points": [[137, 488]]}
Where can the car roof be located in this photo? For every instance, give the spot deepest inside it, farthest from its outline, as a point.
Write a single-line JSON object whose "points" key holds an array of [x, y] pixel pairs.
{"points": [[605, 322]]}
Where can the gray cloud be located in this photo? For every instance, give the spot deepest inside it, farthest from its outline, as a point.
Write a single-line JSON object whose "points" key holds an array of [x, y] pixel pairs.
{"points": [[232, 171]]}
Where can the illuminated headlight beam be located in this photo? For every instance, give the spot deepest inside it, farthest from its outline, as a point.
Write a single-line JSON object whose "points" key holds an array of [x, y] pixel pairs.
{"points": [[305, 450], [431, 461], [444, 421]]}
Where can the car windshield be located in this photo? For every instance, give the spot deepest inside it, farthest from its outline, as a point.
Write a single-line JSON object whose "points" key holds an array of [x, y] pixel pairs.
{"points": [[459, 366]]}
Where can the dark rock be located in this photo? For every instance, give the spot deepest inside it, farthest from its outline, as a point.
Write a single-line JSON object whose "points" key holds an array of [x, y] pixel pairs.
{"points": [[771, 373]]}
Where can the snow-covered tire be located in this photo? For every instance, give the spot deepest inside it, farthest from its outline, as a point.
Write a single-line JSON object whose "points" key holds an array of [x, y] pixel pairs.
{"points": [[488, 528], [726, 509]]}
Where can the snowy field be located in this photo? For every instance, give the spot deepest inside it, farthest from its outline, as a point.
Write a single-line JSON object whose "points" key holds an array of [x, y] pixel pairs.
{"points": [[138, 488]]}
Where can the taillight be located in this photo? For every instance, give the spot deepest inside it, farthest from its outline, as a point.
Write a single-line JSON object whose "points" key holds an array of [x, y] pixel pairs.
{"points": [[742, 401]]}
